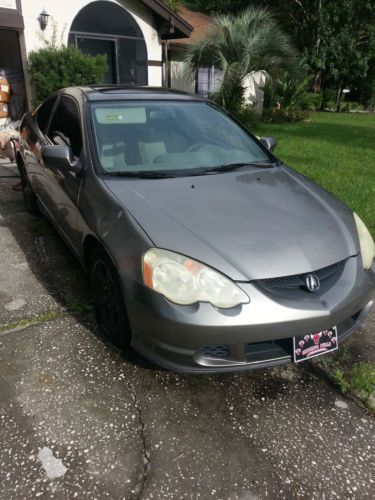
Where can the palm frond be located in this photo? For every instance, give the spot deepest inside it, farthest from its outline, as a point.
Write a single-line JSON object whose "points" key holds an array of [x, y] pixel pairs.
{"points": [[241, 45]]}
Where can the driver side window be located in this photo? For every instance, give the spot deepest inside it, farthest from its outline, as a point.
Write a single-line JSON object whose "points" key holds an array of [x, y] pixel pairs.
{"points": [[65, 126]]}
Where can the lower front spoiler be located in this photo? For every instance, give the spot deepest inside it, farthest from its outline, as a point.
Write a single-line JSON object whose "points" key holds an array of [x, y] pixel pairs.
{"points": [[234, 357]]}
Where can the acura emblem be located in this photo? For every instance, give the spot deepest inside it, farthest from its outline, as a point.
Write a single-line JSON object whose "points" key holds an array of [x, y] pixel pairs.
{"points": [[312, 283]]}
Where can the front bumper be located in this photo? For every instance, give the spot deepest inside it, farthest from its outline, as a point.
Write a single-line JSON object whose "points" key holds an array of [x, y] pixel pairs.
{"points": [[201, 338]]}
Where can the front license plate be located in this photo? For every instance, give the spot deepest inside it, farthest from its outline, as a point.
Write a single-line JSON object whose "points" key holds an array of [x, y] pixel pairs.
{"points": [[316, 344]]}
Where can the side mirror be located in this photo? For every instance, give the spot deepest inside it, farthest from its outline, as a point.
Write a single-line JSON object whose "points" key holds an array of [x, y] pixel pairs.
{"points": [[269, 142], [60, 157]]}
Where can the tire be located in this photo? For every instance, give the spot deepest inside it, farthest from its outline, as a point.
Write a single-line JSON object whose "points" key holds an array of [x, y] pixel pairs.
{"points": [[109, 306], [29, 197]]}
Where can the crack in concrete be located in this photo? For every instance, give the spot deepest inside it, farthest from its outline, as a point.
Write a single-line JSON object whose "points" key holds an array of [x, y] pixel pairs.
{"points": [[140, 487]]}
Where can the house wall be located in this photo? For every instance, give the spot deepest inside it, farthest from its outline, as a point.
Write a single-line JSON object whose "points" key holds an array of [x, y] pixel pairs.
{"points": [[253, 94], [63, 13]]}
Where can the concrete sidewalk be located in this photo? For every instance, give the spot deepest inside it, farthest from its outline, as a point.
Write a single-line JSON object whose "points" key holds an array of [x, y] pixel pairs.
{"points": [[79, 419]]}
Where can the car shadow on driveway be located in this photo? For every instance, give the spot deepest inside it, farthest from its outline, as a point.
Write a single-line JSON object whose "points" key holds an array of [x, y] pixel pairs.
{"points": [[41, 277]]}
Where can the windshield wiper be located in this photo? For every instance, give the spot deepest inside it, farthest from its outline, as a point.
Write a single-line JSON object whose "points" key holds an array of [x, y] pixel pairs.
{"points": [[234, 166], [141, 175], [188, 173]]}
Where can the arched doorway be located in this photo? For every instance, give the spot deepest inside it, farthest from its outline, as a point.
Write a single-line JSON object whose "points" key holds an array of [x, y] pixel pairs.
{"points": [[104, 27]]}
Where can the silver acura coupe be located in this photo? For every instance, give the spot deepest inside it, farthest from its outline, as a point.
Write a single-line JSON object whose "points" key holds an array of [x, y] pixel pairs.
{"points": [[204, 251]]}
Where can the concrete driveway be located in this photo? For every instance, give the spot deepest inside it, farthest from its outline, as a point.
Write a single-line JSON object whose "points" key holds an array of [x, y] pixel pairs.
{"points": [[79, 419]]}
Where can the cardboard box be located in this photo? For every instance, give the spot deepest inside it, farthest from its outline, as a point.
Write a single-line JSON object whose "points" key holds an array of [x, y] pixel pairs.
{"points": [[4, 96], [4, 85], [4, 110]]}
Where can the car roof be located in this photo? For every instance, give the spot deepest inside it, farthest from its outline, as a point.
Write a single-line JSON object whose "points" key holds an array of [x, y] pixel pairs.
{"points": [[131, 92]]}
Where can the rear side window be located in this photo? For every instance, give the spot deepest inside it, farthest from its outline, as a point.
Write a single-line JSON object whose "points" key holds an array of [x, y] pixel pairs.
{"points": [[43, 114], [65, 126]]}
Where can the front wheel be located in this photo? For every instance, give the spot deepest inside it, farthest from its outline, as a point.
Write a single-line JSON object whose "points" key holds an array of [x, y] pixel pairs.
{"points": [[108, 301]]}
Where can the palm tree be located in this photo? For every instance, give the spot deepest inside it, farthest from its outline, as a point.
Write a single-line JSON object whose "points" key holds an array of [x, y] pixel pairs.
{"points": [[241, 45]]}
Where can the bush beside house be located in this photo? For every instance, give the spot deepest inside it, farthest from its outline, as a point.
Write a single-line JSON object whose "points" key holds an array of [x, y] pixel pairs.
{"points": [[53, 68]]}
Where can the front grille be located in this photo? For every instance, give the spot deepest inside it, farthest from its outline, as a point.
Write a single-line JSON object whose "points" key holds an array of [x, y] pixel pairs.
{"points": [[298, 280]]}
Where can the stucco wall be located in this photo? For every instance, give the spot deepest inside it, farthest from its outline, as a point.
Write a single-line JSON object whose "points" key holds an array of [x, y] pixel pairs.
{"points": [[64, 12], [253, 93]]}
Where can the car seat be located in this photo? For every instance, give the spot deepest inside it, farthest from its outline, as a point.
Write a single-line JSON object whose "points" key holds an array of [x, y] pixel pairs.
{"points": [[160, 138], [112, 148]]}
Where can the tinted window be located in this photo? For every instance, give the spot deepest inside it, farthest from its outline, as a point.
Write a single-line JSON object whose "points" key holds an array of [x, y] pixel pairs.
{"points": [[160, 136], [43, 114], [65, 125]]}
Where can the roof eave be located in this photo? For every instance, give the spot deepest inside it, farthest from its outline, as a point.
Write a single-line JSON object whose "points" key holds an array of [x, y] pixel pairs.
{"points": [[182, 29]]}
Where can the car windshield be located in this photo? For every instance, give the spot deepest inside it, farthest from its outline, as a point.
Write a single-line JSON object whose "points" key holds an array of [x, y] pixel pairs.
{"points": [[170, 138]]}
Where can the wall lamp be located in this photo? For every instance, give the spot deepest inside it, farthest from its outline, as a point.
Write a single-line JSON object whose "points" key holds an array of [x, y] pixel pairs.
{"points": [[171, 27], [43, 19]]}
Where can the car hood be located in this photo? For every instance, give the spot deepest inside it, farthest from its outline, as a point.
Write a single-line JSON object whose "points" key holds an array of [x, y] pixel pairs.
{"points": [[249, 224]]}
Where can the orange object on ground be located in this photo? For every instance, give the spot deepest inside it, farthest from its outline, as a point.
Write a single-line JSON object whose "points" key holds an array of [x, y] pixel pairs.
{"points": [[4, 89], [4, 110], [4, 96]]}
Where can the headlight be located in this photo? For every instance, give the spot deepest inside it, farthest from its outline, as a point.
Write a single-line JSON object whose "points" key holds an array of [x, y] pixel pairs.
{"points": [[186, 281], [366, 242]]}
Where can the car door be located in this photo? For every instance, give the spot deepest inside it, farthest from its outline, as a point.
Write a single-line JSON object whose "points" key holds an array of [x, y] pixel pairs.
{"points": [[61, 188]]}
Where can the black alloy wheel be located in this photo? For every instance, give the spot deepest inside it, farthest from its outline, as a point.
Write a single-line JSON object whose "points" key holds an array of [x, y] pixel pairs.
{"points": [[108, 301]]}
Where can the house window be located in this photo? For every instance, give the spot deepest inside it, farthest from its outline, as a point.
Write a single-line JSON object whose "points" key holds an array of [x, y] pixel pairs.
{"points": [[209, 79], [106, 28]]}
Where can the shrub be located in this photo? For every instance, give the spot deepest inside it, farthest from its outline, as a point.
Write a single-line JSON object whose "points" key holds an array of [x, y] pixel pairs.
{"points": [[329, 99], [286, 96], [289, 89], [249, 117], [53, 68], [269, 98], [311, 101], [284, 115], [351, 106], [368, 97]]}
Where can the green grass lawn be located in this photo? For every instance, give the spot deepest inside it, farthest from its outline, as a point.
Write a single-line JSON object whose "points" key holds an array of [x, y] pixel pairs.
{"points": [[337, 151]]}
